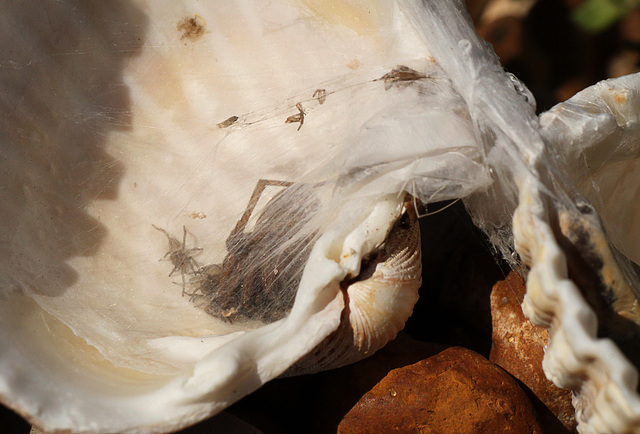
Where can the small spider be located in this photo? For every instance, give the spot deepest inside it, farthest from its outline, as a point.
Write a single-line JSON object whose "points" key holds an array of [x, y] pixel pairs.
{"points": [[181, 257], [299, 117]]}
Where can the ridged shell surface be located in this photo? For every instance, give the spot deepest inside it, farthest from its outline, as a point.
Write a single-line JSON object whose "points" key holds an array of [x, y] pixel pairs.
{"points": [[377, 302]]}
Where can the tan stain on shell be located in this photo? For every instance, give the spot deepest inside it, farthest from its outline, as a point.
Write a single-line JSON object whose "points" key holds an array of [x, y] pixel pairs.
{"points": [[620, 97], [354, 64], [192, 28], [199, 215]]}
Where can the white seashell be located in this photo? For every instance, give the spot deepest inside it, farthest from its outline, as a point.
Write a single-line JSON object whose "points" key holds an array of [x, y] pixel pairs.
{"points": [[148, 121], [553, 225], [379, 301], [601, 124], [137, 131]]}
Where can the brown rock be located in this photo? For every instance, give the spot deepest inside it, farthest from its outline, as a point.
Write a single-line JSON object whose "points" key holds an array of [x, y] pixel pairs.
{"points": [[456, 390], [316, 404], [518, 347]]}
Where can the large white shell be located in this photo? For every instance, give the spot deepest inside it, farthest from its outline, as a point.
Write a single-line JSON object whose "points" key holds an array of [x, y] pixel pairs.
{"points": [[118, 116]]}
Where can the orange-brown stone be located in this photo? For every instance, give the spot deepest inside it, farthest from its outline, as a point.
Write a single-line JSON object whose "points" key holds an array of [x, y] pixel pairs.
{"points": [[518, 347], [456, 390]]}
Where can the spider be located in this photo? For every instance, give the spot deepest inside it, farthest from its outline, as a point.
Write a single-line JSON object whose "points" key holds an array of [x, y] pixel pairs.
{"points": [[180, 256]]}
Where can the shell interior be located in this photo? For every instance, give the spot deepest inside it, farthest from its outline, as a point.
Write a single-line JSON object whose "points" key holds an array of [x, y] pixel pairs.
{"points": [[188, 183]]}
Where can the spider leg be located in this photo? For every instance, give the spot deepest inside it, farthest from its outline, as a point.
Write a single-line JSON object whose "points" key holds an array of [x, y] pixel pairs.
{"points": [[253, 201], [173, 243], [193, 296], [184, 285], [168, 238], [161, 230], [193, 265], [175, 267], [184, 291]]}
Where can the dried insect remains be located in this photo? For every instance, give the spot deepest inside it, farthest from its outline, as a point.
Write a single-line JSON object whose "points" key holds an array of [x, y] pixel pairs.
{"points": [[321, 94], [401, 76], [297, 117], [265, 288], [257, 280], [228, 122]]}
